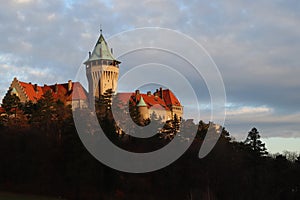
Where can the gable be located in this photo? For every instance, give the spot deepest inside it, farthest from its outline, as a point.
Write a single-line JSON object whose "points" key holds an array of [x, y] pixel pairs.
{"points": [[170, 98]]}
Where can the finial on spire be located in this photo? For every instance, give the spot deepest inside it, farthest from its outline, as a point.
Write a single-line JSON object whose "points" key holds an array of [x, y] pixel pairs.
{"points": [[101, 28]]}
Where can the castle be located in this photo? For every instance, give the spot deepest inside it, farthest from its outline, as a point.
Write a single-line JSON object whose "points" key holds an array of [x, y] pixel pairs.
{"points": [[102, 71]]}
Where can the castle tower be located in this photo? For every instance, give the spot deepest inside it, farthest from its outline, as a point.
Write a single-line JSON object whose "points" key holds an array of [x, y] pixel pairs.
{"points": [[143, 110], [102, 70]]}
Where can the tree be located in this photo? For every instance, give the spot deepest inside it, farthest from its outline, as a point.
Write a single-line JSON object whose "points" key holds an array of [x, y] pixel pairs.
{"points": [[134, 113], [44, 111], [62, 118], [105, 100], [253, 141], [10, 101], [298, 160], [14, 111], [103, 105], [170, 128], [291, 156], [176, 123], [225, 134], [103, 108], [3, 121]]}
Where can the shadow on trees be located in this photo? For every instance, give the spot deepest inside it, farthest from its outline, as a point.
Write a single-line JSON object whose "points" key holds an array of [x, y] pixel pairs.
{"points": [[44, 155]]}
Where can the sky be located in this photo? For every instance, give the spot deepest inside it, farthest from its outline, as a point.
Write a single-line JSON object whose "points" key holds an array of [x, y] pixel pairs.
{"points": [[255, 45]]}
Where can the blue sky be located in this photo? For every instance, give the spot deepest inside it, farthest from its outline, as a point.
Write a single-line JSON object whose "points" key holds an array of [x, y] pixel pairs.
{"points": [[255, 45]]}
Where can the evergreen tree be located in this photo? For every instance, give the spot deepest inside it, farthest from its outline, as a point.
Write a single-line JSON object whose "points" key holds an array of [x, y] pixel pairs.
{"points": [[3, 121], [176, 123], [104, 113], [202, 130], [134, 113], [15, 116], [44, 111], [106, 99], [103, 104], [170, 128], [10, 101], [253, 141], [225, 134]]}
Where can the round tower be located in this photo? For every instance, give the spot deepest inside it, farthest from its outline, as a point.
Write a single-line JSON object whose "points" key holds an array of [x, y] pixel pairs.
{"points": [[143, 110], [102, 70]]}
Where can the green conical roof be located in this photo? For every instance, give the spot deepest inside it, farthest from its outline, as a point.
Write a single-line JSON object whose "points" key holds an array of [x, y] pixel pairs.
{"points": [[101, 51], [141, 103]]}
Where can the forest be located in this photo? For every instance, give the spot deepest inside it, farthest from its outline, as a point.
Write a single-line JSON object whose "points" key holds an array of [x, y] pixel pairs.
{"points": [[42, 154]]}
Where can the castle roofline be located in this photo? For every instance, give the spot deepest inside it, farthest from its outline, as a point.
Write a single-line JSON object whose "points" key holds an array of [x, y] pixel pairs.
{"points": [[34, 92], [167, 99]]}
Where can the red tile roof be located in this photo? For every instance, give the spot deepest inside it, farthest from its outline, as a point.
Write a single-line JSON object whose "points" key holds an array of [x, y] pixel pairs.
{"points": [[150, 100], [79, 92], [124, 98], [30, 92], [169, 99], [59, 91]]}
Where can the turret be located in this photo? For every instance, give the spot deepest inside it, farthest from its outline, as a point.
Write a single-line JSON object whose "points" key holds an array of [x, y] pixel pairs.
{"points": [[143, 110], [102, 70]]}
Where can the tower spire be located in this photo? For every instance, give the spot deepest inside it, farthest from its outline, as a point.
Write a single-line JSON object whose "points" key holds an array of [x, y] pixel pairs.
{"points": [[102, 69]]}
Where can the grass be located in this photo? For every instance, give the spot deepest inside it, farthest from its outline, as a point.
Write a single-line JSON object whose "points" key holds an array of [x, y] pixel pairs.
{"points": [[12, 196]]}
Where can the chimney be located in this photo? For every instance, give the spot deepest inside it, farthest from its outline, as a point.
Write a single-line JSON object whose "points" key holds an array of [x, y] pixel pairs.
{"points": [[149, 93], [69, 86], [137, 93], [30, 83], [35, 88], [55, 88], [161, 93], [90, 54]]}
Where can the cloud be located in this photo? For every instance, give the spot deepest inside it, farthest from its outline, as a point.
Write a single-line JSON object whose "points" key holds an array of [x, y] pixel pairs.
{"points": [[23, 1], [247, 110], [271, 123], [28, 73], [256, 50]]}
